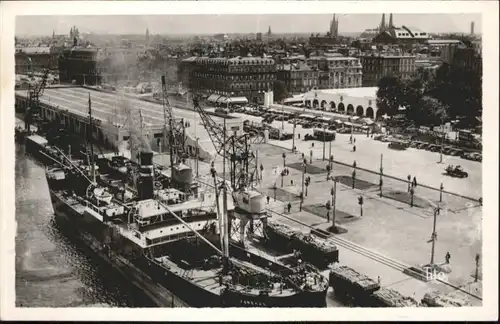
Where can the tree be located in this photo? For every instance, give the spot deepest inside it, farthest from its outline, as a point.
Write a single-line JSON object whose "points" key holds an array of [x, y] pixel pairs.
{"points": [[280, 91], [432, 112], [460, 89], [389, 95]]}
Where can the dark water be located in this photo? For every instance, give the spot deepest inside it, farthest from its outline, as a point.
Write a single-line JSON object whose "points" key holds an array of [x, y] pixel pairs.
{"points": [[52, 270]]}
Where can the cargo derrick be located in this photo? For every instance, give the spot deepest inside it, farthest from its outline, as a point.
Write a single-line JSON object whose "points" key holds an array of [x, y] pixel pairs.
{"points": [[174, 138], [313, 249], [32, 114], [250, 212], [351, 286]]}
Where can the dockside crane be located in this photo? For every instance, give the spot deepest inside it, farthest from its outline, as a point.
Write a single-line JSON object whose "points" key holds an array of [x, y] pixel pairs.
{"points": [[237, 151], [32, 114], [175, 138]]}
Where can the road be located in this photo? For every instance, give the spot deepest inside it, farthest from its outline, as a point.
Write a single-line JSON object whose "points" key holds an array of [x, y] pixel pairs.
{"points": [[419, 163]]}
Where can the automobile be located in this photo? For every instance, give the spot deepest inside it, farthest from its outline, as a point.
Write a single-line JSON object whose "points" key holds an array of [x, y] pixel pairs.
{"points": [[455, 152], [344, 130], [379, 137], [456, 171], [414, 144], [424, 146], [308, 137], [332, 127], [307, 125], [434, 148]]}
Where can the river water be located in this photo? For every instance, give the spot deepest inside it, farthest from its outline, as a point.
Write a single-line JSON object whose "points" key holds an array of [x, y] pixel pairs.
{"points": [[51, 270]]}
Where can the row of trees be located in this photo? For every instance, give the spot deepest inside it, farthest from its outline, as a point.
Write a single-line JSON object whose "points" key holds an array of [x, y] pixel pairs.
{"points": [[429, 99]]}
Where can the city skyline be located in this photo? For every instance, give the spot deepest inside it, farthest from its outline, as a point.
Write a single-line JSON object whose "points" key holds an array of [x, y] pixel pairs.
{"points": [[238, 24]]}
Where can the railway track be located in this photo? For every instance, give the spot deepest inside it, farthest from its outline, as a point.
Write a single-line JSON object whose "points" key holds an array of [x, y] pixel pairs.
{"points": [[375, 256], [398, 265]]}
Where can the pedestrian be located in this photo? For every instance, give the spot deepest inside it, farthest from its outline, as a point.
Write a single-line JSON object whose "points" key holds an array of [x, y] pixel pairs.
{"points": [[378, 280], [299, 136], [354, 148], [312, 145], [350, 139], [268, 198], [415, 182], [355, 140], [289, 207], [447, 257], [291, 182]]}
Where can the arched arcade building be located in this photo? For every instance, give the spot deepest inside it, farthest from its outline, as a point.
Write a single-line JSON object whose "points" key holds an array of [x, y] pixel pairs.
{"points": [[356, 101]]}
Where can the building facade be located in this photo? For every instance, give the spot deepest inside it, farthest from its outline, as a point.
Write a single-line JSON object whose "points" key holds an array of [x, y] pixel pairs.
{"points": [[377, 66], [321, 73], [79, 64], [360, 102], [246, 77], [35, 59]]}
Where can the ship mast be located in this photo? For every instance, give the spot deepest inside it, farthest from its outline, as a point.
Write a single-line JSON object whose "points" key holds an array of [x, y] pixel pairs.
{"points": [[167, 118], [90, 133], [224, 200]]}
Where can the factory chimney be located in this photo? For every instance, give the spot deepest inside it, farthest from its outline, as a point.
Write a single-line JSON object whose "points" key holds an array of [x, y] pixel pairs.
{"points": [[145, 183], [472, 28]]}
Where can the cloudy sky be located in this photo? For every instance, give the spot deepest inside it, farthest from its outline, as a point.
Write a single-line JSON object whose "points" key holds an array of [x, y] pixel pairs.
{"points": [[210, 24]]}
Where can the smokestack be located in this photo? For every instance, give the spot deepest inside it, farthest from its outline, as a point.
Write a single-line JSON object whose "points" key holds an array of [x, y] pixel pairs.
{"points": [[472, 28], [390, 21], [145, 185]]}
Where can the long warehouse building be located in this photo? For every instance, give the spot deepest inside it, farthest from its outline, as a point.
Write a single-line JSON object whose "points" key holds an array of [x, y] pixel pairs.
{"points": [[110, 110]]}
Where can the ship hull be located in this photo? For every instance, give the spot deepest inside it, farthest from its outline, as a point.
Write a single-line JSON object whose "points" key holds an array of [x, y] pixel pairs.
{"points": [[142, 269]]}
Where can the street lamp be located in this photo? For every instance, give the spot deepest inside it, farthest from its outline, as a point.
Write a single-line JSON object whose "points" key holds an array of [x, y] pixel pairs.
{"points": [[434, 234], [333, 192], [197, 156], [360, 202], [324, 141]]}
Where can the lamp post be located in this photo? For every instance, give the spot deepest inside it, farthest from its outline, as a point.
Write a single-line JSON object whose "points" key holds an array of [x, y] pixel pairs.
{"points": [[293, 137], [324, 141], [434, 234], [360, 202], [303, 176], [197, 156], [441, 187], [476, 276], [333, 192]]}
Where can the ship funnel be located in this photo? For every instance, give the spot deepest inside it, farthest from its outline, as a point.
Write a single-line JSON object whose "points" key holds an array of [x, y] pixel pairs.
{"points": [[145, 185]]}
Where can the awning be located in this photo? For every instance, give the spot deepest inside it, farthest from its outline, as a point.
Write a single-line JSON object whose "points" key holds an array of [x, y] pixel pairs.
{"points": [[367, 120], [221, 99], [294, 100], [238, 100], [213, 98], [307, 116]]}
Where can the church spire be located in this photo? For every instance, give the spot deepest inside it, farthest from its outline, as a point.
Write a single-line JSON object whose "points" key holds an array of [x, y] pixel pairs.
{"points": [[382, 23]]}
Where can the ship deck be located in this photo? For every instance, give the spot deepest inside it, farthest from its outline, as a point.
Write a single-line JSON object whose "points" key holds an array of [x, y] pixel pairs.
{"points": [[209, 279]]}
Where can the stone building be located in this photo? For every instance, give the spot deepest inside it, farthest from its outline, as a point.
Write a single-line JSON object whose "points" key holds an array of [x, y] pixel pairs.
{"points": [[247, 77], [378, 65]]}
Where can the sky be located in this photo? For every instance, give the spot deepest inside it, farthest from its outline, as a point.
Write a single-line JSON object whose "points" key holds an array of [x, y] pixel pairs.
{"points": [[211, 24]]}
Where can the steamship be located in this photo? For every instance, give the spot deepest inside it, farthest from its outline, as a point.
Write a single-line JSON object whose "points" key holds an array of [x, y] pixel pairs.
{"points": [[172, 239]]}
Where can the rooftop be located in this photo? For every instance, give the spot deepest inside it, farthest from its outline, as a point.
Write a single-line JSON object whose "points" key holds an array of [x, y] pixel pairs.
{"points": [[34, 50], [364, 92]]}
